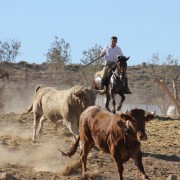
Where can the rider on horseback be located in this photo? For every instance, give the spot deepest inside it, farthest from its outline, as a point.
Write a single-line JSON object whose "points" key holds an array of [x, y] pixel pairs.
{"points": [[110, 54]]}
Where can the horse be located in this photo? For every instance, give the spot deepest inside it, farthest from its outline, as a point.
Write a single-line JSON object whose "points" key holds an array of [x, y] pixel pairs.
{"points": [[115, 83]]}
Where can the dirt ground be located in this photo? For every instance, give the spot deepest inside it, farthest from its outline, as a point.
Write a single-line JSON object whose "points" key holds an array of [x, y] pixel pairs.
{"points": [[25, 160]]}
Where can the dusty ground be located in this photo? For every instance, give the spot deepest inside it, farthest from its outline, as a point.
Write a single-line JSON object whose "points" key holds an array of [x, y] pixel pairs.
{"points": [[25, 160]]}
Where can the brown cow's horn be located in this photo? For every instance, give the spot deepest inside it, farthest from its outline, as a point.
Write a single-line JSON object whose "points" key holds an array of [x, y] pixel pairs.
{"points": [[127, 123], [127, 112], [78, 91], [152, 113]]}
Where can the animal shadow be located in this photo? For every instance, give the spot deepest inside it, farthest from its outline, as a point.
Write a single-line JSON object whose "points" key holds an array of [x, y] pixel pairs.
{"points": [[173, 158]]}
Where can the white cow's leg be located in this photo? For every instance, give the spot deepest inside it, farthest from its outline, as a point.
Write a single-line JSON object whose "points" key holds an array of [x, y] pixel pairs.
{"points": [[42, 120], [36, 122], [57, 124], [74, 129], [80, 145]]}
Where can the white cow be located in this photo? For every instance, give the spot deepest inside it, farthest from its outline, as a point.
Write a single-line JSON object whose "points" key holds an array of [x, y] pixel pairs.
{"points": [[55, 105]]}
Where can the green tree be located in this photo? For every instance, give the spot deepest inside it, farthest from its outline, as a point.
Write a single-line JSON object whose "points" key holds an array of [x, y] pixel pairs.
{"points": [[88, 56], [91, 54], [9, 50], [59, 53]]}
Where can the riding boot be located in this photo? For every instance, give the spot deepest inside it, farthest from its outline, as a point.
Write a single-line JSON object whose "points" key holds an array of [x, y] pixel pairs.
{"points": [[126, 90]]}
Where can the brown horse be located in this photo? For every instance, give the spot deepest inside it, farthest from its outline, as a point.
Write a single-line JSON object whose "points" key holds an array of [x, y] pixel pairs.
{"points": [[115, 82]]}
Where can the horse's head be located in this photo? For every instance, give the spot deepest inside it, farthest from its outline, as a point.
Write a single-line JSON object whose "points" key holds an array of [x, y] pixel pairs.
{"points": [[121, 64]]}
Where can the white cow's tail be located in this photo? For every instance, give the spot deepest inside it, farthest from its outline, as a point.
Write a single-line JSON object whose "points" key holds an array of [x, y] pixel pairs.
{"points": [[28, 110], [37, 88], [31, 107], [73, 149]]}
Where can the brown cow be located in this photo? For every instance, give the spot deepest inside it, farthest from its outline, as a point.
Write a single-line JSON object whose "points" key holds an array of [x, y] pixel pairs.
{"points": [[113, 134], [141, 118]]}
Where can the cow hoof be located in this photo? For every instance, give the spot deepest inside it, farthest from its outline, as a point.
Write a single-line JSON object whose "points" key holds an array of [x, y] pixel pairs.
{"points": [[40, 132], [85, 175], [34, 141]]}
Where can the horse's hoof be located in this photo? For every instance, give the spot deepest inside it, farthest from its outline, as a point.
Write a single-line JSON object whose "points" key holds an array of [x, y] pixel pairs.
{"points": [[118, 108], [108, 109]]}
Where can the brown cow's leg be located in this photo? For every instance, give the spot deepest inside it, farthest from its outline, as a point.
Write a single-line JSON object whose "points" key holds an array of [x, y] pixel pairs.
{"points": [[120, 167], [87, 146], [138, 163], [117, 159]]}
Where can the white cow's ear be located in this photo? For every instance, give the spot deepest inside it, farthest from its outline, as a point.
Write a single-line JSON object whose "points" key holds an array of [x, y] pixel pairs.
{"points": [[79, 91]]}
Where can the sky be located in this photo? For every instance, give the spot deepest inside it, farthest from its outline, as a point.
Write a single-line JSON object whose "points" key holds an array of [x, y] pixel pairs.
{"points": [[143, 27]]}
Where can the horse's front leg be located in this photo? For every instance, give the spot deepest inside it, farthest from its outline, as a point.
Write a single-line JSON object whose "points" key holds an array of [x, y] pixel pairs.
{"points": [[107, 102], [121, 102], [112, 96], [114, 105]]}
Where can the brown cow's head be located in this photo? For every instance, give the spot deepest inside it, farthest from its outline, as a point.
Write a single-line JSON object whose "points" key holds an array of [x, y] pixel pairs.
{"points": [[127, 123], [141, 118]]}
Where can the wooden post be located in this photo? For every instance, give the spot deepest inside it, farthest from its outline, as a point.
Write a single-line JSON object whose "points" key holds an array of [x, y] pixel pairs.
{"points": [[26, 94]]}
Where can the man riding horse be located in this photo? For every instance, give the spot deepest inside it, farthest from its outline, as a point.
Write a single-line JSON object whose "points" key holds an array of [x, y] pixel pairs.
{"points": [[110, 54]]}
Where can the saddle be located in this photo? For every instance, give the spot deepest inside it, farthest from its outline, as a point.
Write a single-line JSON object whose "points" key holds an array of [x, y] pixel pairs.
{"points": [[109, 72], [100, 73]]}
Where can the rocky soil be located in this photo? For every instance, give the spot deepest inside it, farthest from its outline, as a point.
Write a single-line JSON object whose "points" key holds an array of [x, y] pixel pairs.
{"points": [[22, 159]]}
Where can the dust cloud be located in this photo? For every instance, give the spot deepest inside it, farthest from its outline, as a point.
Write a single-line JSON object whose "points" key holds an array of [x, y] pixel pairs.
{"points": [[42, 156], [15, 131]]}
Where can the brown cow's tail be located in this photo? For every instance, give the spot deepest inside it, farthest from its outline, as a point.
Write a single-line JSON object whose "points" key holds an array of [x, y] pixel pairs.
{"points": [[73, 149]]}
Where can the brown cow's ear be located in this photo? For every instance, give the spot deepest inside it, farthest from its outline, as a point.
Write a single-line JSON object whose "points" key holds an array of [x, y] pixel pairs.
{"points": [[149, 117], [125, 116]]}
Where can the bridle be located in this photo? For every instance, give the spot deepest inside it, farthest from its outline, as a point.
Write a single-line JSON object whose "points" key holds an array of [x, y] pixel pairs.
{"points": [[120, 71]]}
